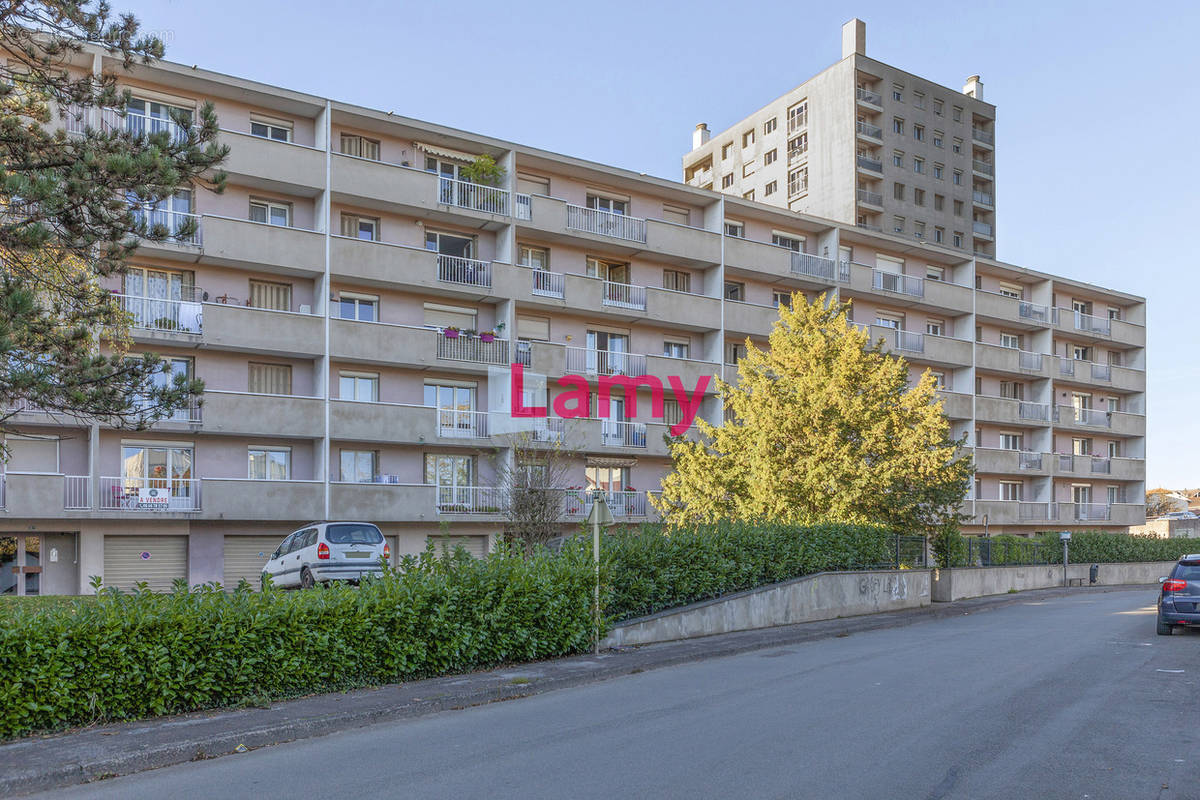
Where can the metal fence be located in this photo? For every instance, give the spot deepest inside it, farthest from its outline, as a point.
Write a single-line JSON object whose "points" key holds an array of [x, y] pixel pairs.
{"points": [[987, 552], [904, 552]]}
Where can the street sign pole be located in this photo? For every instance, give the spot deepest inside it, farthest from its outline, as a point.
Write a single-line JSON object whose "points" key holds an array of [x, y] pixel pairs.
{"points": [[1065, 536], [599, 515]]}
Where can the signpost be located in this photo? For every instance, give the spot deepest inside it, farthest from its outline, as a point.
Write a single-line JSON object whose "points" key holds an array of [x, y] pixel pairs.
{"points": [[1065, 536], [599, 515]]}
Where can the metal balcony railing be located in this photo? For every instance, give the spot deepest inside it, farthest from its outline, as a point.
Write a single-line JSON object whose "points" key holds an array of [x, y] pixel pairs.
{"points": [[546, 429], [149, 494], [1029, 361], [578, 502], [1033, 311], [983, 198], [1035, 411], [910, 342], [78, 118], [982, 167], [870, 96], [473, 349], [867, 129], [624, 295], [604, 362], [606, 223], [464, 271], [901, 284], [1084, 416], [844, 271], [814, 266], [1089, 323], [455, 423], [474, 196], [1027, 460], [982, 136], [870, 163], [620, 433], [77, 491], [161, 222], [469, 499], [523, 206], [1101, 372], [982, 228], [1101, 466], [1037, 511], [548, 284], [151, 313], [870, 198], [1066, 366], [1088, 511]]}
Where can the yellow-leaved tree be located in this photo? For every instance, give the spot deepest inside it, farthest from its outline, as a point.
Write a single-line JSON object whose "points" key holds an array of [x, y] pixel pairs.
{"points": [[821, 426]]}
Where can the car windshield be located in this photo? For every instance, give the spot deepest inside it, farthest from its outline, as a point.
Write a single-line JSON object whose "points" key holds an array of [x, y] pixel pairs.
{"points": [[353, 534]]}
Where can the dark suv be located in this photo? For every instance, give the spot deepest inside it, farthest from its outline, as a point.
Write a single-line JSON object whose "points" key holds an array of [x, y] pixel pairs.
{"points": [[1179, 600]]}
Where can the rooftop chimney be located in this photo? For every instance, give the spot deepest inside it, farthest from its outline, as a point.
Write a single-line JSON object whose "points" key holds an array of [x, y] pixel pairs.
{"points": [[973, 87], [700, 135], [854, 38]]}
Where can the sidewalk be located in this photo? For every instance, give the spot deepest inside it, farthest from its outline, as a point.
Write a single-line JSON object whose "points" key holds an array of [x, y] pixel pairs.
{"points": [[41, 763]]}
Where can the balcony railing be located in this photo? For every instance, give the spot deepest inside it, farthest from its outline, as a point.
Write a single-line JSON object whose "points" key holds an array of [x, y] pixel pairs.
{"points": [[870, 198], [797, 153], [78, 118], [469, 499], [1101, 372], [161, 222], [1033, 311], [1029, 361], [149, 494], [619, 433], [474, 196], [1029, 460], [844, 270], [982, 136], [150, 313], [1066, 366], [1037, 511], [983, 198], [604, 362], [454, 423], [624, 295], [464, 271], [77, 491], [901, 284], [1101, 466], [1084, 416], [982, 228], [548, 284], [546, 429], [1089, 323], [869, 163], [868, 226], [910, 342], [702, 177], [982, 167], [1088, 511], [524, 206], [797, 122], [869, 96], [606, 223], [1066, 462], [814, 266], [473, 349], [621, 504], [1035, 411], [867, 129]]}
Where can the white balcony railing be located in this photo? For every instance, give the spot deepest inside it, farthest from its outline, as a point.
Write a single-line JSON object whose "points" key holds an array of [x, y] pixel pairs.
{"points": [[162, 222], [149, 494], [901, 284], [456, 423], [606, 223], [619, 433], [870, 96], [151, 313], [578, 502], [624, 295], [473, 349], [814, 266], [469, 499], [548, 284], [523, 206], [546, 429], [474, 196], [604, 362], [464, 271], [77, 491]]}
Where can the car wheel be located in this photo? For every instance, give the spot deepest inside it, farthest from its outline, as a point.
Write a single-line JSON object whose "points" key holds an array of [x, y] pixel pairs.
{"points": [[1164, 629], [306, 579]]}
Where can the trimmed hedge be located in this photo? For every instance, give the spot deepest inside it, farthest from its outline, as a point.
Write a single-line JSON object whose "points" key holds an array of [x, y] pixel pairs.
{"points": [[1100, 547], [655, 568], [122, 656]]}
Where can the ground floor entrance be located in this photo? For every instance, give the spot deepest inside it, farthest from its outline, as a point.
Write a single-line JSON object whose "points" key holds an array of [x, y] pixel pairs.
{"points": [[20, 564]]}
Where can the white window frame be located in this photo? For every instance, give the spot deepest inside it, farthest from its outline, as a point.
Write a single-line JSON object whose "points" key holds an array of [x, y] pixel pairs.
{"points": [[287, 462]]}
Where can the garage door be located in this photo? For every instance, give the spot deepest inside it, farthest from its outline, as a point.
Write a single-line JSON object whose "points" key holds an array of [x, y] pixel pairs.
{"points": [[157, 560], [475, 545], [245, 557]]}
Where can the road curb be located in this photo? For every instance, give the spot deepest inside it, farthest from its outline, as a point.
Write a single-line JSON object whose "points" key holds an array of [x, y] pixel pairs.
{"points": [[50, 762]]}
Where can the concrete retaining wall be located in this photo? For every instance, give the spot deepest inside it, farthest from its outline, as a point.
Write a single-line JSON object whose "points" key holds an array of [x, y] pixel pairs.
{"points": [[956, 584], [827, 595]]}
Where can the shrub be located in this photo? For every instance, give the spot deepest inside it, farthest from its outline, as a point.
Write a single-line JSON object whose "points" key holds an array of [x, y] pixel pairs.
{"points": [[122, 656], [1100, 547], [656, 568]]}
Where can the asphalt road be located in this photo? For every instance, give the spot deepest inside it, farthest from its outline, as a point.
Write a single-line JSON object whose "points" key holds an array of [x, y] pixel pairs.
{"points": [[1064, 698]]}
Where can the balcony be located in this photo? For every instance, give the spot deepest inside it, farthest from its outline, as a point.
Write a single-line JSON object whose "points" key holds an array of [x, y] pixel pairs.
{"points": [[1008, 411], [812, 266], [620, 433], [473, 349], [1084, 512], [259, 246], [247, 414], [623, 504], [1011, 309], [982, 136], [983, 199], [149, 495], [750, 319], [624, 295], [473, 196], [464, 271], [1069, 319], [869, 97], [993, 357], [983, 168], [701, 178], [241, 499], [956, 405], [606, 223], [870, 198], [982, 228], [869, 163], [900, 284], [273, 165], [161, 316], [169, 224], [583, 361], [683, 242], [260, 330], [868, 130], [1083, 417], [548, 284]]}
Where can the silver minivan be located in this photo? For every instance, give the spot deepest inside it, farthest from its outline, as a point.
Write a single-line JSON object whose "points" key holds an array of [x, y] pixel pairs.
{"points": [[328, 551]]}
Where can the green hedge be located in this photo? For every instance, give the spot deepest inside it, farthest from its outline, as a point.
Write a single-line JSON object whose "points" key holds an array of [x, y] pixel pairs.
{"points": [[653, 569], [122, 656], [1098, 547]]}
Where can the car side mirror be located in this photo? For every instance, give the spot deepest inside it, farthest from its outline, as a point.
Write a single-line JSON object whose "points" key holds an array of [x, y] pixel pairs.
{"points": [[276, 555], [1162, 579]]}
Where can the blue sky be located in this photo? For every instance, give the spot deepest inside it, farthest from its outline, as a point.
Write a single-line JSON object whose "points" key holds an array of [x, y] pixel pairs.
{"points": [[1097, 110]]}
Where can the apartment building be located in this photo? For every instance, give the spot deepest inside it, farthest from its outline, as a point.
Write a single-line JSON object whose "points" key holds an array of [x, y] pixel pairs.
{"points": [[867, 144], [348, 297]]}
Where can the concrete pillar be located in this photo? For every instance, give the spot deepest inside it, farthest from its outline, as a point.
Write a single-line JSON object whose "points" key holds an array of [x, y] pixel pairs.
{"points": [[91, 557], [854, 38]]}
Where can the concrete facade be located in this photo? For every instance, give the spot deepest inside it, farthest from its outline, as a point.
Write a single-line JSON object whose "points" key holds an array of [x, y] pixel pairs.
{"points": [[322, 335]]}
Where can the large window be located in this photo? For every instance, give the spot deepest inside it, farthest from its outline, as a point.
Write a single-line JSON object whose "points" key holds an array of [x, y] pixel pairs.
{"points": [[450, 244], [148, 116], [271, 212], [355, 145], [455, 408], [610, 479], [159, 467], [612, 271], [609, 204], [276, 129], [359, 466], [361, 307], [673, 348], [356, 227], [360, 386], [530, 256], [176, 368], [677, 280], [269, 463], [452, 475]]}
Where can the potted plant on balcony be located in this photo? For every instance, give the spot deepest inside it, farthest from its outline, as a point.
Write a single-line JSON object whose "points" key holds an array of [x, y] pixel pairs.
{"points": [[450, 332], [487, 336]]}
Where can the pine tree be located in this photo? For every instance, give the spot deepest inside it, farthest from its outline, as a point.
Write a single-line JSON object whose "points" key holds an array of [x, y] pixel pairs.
{"points": [[821, 426]]}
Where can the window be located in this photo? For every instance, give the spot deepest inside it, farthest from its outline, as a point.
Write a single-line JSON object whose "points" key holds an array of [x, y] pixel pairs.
{"points": [[939, 139], [359, 466], [939, 108], [898, 224], [939, 202], [797, 116], [269, 463], [919, 165], [798, 181], [797, 147], [898, 191], [1011, 441], [611, 271], [935, 327], [160, 467], [532, 184], [360, 386], [272, 295], [677, 280], [533, 328], [958, 113], [1114, 313], [455, 406], [360, 147], [771, 188], [269, 378], [935, 273], [918, 99], [939, 379], [748, 169], [174, 367], [919, 196], [735, 291], [726, 149], [958, 208], [958, 177], [1012, 390], [278, 130], [727, 181], [673, 348], [892, 321], [271, 212], [957, 145], [532, 256], [735, 229], [356, 227], [613, 205], [1012, 340], [779, 298], [672, 413], [1010, 490], [734, 352], [362, 307], [1081, 353], [680, 216], [748, 195], [898, 158], [898, 92], [919, 229], [919, 132], [938, 169], [793, 243], [1114, 449], [449, 244], [748, 138], [770, 156], [148, 116], [958, 239], [1014, 290], [1081, 447], [898, 126], [770, 125]]}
